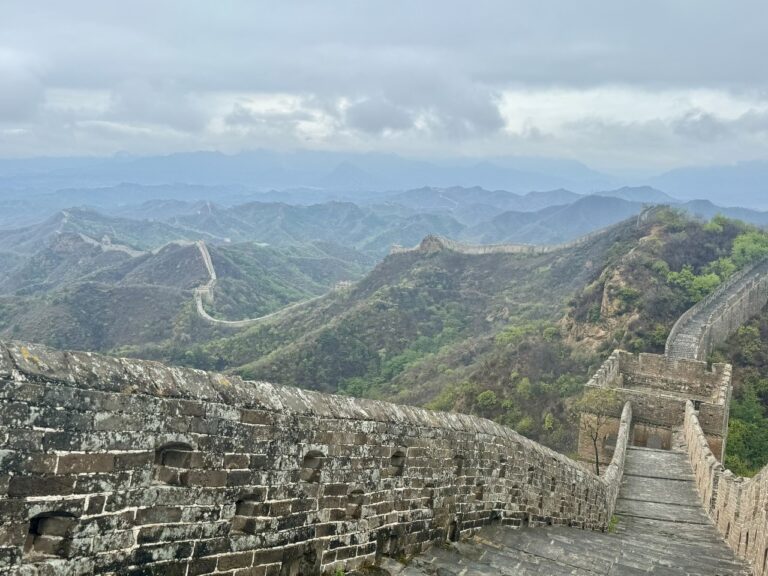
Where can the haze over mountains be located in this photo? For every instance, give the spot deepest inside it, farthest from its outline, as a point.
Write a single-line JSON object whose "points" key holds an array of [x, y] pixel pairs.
{"points": [[99, 253], [371, 224], [324, 175]]}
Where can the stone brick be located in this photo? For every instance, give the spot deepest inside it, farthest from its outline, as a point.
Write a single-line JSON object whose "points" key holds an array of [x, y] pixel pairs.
{"points": [[85, 463], [95, 505], [182, 459], [13, 534], [26, 486], [232, 561], [237, 504], [200, 566], [158, 515], [236, 461], [133, 460], [209, 478]]}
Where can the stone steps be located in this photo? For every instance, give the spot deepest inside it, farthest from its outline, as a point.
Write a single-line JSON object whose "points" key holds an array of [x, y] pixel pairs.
{"points": [[689, 337], [662, 530]]}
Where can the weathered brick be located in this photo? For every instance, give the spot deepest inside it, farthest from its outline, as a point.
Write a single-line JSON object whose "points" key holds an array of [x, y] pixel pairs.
{"points": [[132, 460], [203, 478], [25, 486], [236, 461], [232, 561], [85, 463], [191, 512], [158, 515]]}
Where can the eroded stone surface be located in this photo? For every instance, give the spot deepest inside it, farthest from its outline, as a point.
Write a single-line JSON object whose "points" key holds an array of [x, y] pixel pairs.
{"points": [[115, 466], [669, 538]]}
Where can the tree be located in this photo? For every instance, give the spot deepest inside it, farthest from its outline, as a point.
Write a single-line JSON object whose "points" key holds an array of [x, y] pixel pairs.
{"points": [[594, 410]]}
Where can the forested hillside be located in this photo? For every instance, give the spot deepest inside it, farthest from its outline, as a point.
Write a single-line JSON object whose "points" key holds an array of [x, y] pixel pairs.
{"points": [[77, 292], [747, 350], [512, 337]]}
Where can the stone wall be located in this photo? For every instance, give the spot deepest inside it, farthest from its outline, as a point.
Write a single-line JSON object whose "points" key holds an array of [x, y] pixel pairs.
{"points": [[712, 320], [658, 388], [204, 294], [433, 242], [737, 309], [692, 379], [737, 506], [113, 466], [679, 376]]}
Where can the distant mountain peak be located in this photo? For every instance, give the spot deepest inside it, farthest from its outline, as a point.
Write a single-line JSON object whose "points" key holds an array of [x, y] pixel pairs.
{"points": [[646, 194]]}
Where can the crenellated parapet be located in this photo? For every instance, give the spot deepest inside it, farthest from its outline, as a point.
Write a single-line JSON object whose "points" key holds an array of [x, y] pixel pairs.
{"points": [[125, 466], [658, 387], [737, 506]]}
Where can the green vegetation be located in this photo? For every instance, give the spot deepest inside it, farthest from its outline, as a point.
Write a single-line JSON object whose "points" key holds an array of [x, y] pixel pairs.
{"points": [[510, 337], [255, 279], [73, 294], [679, 262], [747, 350]]}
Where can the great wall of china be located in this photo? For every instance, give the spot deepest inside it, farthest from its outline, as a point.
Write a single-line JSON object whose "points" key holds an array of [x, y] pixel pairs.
{"points": [[434, 242], [204, 294], [129, 467]]}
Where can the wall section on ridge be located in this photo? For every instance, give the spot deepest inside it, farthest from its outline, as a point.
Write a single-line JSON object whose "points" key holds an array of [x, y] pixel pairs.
{"points": [[125, 466], [712, 320]]}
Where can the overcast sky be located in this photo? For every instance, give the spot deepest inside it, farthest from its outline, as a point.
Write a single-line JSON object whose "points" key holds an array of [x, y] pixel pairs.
{"points": [[635, 84]]}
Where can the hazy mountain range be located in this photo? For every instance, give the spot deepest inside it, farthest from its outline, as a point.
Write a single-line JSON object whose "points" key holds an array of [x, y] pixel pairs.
{"points": [[371, 225], [326, 175]]}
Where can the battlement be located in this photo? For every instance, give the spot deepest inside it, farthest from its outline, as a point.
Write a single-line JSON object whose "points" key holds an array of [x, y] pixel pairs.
{"points": [[737, 506], [127, 465], [689, 379], [659, 388]]}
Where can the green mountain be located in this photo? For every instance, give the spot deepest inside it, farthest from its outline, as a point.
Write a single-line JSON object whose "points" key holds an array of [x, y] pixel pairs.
{"points": [[369, 229], [77, 292], [508, 336]]}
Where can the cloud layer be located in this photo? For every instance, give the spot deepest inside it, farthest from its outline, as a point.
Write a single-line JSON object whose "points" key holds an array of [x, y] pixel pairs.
{"points": [[640, 85]]}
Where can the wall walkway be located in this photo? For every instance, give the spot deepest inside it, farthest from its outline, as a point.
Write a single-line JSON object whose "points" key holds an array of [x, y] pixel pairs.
{"points": [[711, 321], [737, 506]]}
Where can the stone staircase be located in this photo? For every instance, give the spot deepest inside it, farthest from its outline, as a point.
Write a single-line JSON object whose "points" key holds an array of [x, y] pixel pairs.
{"points": [[688, 337], [688, 340], [661, 530]]}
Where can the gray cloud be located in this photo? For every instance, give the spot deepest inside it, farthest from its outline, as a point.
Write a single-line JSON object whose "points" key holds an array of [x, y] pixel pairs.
{"points": [[22, 91], [162, 103], [698, 125], [376, 115], [427, 74]]}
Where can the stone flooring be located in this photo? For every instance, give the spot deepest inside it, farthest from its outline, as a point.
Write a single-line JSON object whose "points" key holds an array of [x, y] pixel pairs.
{"points": [[661, 530], [689, 338]]}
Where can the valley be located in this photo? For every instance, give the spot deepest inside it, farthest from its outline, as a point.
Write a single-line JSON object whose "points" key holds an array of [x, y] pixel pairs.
{"points": [[459, 299]]}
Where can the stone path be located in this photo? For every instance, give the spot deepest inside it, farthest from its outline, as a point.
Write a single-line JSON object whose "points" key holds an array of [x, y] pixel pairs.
{"points": [[661, 530], [687, 338]]}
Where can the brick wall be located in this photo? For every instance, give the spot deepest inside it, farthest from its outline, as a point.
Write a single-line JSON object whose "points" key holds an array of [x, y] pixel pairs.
{"points": [[658, 388], [114, 466], [737, 506], [722, 313]]}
